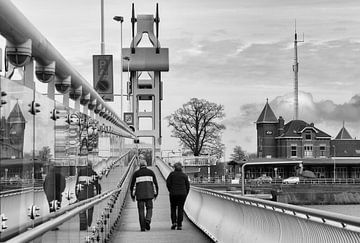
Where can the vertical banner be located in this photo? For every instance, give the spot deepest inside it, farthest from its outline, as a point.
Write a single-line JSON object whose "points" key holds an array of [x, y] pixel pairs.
{"points": [[103, 76]]}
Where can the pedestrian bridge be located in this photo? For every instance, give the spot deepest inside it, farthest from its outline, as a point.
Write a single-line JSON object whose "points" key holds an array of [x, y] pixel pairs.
{"points": [[211, 217], [71, 126]]}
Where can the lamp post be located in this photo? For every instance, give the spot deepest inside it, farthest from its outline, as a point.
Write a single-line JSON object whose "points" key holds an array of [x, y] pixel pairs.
{"points": [[102, 44], [334, 162], [121, 20], [126, 58]]}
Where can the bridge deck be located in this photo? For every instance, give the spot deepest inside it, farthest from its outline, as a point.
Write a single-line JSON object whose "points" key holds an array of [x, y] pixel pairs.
{"points": [[129, 229]]}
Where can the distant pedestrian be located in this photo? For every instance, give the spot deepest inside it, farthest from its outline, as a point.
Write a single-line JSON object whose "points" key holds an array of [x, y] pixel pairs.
{"points": [[54, 185], [144, 188], [87, 186], [178, 186]]}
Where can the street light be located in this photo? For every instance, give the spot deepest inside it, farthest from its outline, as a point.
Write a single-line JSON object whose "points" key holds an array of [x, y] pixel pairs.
{"points": [[334, 162], [121, 20], [126, 58]]}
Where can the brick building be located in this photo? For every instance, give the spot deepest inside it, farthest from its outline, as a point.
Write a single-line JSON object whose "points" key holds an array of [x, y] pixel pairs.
{"points": [[299, 140]]}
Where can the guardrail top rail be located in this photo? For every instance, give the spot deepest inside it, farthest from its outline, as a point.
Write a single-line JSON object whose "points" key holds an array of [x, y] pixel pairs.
{"points": [[335, 219]]}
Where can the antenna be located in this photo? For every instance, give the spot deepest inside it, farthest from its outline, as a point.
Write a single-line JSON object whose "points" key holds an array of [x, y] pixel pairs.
{"points": [[296, 72], [157, 21], [133, 21]]}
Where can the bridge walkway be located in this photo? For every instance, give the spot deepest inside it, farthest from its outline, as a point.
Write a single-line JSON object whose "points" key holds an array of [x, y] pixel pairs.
{"points": [[129, 228]]}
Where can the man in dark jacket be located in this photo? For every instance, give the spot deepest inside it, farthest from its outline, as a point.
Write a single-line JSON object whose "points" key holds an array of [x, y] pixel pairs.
{"points": [[143, 181], [87, 186], [54, 185], [178, 186]]}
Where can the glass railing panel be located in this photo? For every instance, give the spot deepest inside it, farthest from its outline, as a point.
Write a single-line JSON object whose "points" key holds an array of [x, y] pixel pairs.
{"points": [[53, 159], [49, 180], [64, 155], [17, 168]]}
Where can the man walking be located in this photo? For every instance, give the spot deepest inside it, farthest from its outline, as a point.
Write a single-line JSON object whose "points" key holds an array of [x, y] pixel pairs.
{"points": [[144, 181], [54, 185], [87, 186], [178, 186]]}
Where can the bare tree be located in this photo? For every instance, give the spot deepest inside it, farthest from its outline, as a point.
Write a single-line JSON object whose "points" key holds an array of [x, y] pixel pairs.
{"points": [[196, 125], [45, 153]]}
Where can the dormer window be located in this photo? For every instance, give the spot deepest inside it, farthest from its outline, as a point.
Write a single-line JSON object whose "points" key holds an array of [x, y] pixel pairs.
{"points": [[308, 135]]}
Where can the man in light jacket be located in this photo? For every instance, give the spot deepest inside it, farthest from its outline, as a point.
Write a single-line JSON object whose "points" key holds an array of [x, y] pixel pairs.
{"points": [[144, 188]]}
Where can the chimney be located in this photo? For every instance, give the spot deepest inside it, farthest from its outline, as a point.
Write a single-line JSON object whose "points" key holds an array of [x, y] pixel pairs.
{"points": [[281, 125]]}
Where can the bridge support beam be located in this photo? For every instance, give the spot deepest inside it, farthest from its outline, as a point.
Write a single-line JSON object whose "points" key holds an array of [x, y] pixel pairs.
{"points": [[145, 65]]}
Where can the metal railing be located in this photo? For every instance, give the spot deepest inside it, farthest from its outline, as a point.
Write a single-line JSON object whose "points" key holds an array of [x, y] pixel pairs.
{"points": [[227, 218], [50, 221], [222, 180]]}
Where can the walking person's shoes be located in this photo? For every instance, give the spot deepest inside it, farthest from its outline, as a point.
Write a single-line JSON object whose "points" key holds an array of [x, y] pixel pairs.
{"points": [[173, 226], [142, 229], [147, 225], [179, 227]]}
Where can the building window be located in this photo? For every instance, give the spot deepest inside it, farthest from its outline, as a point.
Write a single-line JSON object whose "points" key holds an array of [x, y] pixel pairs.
{"points": [[322, 151], [356, 173], [341, 172], [308, 151], [308, 135], [293, 151]]}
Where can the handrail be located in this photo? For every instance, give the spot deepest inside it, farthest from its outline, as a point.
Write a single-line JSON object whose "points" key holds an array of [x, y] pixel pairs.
{"points": [[43, 228], [63, 214], [18, 191], [343, 220]]}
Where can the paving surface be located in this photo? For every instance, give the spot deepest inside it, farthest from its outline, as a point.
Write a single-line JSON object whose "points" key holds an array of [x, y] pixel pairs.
{"points": [[129, 228]]}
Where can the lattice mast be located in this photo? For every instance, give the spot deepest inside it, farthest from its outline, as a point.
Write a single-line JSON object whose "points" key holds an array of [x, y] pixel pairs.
{"points": [[296, 76]]}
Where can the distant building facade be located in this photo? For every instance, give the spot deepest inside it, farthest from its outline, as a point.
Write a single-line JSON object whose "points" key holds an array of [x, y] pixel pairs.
{"points": [[302, 141]]}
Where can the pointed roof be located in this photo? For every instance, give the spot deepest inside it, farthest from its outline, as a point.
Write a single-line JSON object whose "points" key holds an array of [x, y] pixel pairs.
{"points": [[267, 115], [16, 115], [343, 133], [295, 128]]}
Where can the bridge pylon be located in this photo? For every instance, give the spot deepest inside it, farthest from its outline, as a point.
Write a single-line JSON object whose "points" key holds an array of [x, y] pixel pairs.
{"points": [[144, 66]]}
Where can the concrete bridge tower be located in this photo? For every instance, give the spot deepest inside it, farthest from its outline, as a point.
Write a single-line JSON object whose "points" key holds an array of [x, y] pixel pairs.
{"points": [[144, 65]]}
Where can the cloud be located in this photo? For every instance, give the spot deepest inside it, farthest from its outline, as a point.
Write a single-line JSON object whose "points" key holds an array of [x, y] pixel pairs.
{"points": [[317, 111], [325, 114], [309, 110], [235, 62]]}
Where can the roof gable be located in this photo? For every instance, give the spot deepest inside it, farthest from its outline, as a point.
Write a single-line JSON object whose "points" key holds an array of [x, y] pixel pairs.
{"points": [[295, 128], [343, 134], [16, 115]]}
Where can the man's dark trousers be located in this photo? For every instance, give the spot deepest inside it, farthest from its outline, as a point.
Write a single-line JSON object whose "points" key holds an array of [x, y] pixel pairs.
{"points": [[177, 201], [142, 204]]}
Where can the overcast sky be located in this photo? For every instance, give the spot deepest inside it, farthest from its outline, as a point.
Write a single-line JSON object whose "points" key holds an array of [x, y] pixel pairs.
{"points": [[234, 53]]}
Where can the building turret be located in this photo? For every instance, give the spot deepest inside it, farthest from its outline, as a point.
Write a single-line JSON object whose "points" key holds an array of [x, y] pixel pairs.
{"points": [[267, 130], [343, 134], [16, 123]]}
